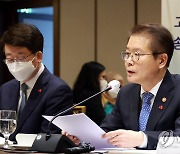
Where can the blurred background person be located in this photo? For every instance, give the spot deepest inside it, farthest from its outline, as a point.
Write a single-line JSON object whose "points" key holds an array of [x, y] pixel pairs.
{"points": [[109, 97], [90, 81]]}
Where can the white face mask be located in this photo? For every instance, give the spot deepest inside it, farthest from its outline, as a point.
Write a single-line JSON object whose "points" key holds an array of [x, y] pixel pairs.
{"points": [[21, 70], [103, 84]]}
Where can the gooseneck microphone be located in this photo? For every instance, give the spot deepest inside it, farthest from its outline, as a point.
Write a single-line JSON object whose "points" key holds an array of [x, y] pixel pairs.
{"points": [[48, 134], [56, 142]]}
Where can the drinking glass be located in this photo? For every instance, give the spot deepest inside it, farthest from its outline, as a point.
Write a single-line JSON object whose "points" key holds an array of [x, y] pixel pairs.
{"points": [[7, 125]]}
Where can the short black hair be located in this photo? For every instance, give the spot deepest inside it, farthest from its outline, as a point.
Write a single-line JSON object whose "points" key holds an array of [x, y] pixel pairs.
{"points": [[162, 39], [23, 35]]}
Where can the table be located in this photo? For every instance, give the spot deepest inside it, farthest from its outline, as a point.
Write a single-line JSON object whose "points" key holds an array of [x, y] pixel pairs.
{"points": [[128, 152], [133, 152], [99, 152]]}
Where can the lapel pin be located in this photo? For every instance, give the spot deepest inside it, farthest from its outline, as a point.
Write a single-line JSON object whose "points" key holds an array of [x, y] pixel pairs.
{"points": [[164, 99], [161, 107], [39, 90]]}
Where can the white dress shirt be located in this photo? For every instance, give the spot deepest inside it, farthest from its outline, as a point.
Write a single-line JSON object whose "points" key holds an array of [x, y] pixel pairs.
{"points": [[30, 84], [154, 91]]}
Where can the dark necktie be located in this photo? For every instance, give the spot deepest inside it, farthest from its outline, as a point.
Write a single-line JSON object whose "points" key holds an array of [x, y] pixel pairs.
{"points": [[145, 111], [24, 88]]}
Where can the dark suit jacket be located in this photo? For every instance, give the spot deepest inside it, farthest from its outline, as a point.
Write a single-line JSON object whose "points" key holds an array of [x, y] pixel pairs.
{"points": [[164, 115], [49, 96]]}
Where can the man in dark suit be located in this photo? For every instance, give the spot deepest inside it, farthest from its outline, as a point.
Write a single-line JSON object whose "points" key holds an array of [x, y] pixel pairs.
{"points": [[147, 57], [46, 94]]}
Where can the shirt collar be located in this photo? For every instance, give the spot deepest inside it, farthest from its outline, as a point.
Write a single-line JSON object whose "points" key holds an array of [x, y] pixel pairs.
{"points": [[154, 90], [32, 82]]}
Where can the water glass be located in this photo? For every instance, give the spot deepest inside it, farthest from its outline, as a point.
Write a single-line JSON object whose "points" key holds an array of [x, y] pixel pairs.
{"points": [[7, 125]]}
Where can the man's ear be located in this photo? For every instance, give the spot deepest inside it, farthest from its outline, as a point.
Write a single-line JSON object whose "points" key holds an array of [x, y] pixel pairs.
{"points": [[39, 56], [163, 60]]}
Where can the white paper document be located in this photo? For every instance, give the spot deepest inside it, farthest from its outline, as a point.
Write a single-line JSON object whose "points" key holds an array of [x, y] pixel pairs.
{"points": [[82, 127]]}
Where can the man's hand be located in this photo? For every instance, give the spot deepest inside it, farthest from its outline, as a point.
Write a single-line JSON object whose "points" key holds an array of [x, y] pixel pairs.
{"points": [[73, 138], [124, 138]]}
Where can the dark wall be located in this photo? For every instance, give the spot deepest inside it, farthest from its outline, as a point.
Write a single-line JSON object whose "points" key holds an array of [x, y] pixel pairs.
{"points": [[8, 16]]}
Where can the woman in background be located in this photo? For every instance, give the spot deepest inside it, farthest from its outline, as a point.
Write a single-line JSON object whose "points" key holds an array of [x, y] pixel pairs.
{"points": [[89, 82], [109, 97]]}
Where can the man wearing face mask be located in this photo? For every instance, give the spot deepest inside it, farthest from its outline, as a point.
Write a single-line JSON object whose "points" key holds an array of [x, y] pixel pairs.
{"points": [[34, 91]]}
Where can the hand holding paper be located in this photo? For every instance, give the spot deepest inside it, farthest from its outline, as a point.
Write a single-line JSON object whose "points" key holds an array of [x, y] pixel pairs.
{"points": [[82, 127]]}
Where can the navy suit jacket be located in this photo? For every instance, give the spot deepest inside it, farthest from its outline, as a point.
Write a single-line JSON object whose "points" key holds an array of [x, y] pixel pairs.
{"points": [[49, 96], [164, 115]]}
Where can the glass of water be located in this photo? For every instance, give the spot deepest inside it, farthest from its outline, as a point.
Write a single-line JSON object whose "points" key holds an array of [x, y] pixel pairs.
{"points": [[7, 125]]}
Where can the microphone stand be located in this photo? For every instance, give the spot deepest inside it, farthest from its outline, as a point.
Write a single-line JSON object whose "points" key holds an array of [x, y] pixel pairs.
{"points": [[48, 133], [47, 142]]}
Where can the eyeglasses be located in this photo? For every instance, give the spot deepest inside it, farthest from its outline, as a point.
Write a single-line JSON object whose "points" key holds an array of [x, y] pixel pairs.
{"points": [[134, 56], [19, 59]]}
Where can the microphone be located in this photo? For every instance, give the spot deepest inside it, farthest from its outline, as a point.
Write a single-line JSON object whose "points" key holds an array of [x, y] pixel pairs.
{"points": [[47, 142], [113, 92], [48, 134]]}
